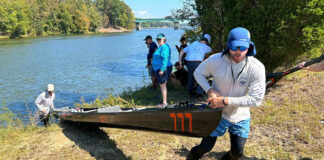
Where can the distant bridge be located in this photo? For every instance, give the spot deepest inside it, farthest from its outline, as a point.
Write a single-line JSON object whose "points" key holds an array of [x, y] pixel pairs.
{"points": [[138, 22]]}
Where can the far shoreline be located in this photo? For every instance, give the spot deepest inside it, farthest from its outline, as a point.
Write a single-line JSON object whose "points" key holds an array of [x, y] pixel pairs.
{"points": [[99, 30]]}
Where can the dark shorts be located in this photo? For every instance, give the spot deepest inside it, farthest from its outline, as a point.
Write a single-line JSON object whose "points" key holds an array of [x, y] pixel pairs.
{"points": [[165, 77]]}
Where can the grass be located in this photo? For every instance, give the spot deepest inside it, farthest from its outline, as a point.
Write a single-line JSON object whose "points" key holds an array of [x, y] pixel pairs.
{"points": [[287, 126]]}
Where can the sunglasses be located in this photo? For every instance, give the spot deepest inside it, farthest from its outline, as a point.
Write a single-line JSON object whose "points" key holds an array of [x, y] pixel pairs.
{"points": [[241, 48], [158, 39]]}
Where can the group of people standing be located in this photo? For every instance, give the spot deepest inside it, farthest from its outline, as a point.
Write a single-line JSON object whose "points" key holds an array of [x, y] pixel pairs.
{"points": [[160, 67]]}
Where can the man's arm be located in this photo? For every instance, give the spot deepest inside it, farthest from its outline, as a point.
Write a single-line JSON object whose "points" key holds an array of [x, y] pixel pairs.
{"points": [[180, 57], [205, 69], [38, 103], [208, 52], [178, 48]]}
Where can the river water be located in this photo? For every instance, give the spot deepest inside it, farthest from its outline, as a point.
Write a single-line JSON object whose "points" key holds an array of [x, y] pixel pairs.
{"points": [[81, 67]]}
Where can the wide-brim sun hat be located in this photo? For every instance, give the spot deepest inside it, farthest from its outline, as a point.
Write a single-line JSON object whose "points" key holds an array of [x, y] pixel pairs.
{"points": [[50, 87]]}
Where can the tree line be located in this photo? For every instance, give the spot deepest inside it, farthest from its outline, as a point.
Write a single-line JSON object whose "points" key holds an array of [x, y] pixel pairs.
{"points": [[48, 17], [284, 31]]}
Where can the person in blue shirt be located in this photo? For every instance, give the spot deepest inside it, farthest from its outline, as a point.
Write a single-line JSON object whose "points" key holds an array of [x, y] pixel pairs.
{"points": [[162, 66], [152, 48]]}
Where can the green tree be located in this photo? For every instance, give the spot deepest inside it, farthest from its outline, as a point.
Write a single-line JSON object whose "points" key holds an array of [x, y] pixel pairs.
{"points": [[43, 17], [94, 17], [65, 20], [283, 31], [13, 18], [118, 13], [81, 22]]}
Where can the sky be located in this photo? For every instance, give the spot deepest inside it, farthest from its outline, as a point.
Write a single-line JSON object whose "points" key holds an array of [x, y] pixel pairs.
{"points": [[153, 8]]}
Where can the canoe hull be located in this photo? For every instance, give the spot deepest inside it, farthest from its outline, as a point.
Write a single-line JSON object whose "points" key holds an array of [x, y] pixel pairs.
{"points": [[194, 121]]}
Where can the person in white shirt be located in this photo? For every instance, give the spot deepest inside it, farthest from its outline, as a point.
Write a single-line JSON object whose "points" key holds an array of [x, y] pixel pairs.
{"points": [[238, 84], [195, 55], [45, 102]]}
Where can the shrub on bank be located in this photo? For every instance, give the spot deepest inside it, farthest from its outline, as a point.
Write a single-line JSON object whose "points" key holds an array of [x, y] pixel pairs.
{"points": [[284, 31]]}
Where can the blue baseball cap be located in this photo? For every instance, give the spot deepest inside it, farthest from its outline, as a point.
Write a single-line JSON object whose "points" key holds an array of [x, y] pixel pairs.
{"points": [[239, 37]]}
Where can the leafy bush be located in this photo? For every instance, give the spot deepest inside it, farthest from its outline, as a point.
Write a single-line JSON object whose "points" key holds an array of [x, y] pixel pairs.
{"points": [[283, 31]]}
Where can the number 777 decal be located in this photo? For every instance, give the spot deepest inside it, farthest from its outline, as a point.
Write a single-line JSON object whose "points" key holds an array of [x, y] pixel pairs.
{"points": [[182, 117]]}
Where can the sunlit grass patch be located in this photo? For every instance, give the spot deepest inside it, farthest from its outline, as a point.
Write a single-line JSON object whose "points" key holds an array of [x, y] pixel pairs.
{"points": [[288, 126]]}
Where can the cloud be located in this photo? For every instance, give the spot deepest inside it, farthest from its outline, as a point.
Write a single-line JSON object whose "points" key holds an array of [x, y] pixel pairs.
{"points": [[142, 14]]}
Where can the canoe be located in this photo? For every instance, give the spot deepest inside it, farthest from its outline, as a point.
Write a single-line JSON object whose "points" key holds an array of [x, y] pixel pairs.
{"points": [[186, 120]]}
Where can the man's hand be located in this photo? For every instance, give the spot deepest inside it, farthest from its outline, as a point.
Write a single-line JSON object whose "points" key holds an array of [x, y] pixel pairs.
{"points": [[301, 65], [212, 93], [216, 102], [161, 73], [215, 99], [44, 111]]}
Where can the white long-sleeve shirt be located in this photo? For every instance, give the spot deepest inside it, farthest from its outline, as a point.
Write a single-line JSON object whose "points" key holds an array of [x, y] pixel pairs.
{"points": [[247, 90], [44, 102]]}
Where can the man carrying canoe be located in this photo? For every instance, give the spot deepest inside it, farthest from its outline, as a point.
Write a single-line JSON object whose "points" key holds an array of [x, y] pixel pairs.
{"points": [[238, 84]]}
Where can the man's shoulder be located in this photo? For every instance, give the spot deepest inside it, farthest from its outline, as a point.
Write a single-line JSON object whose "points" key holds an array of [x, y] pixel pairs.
{"points": [[256, 64], [42, 94], [205, 45], [195, 43], [215, 56], [153, 45]]}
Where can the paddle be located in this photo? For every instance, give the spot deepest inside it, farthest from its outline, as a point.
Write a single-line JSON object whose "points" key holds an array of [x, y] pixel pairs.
{"points": [[273, 78]]}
